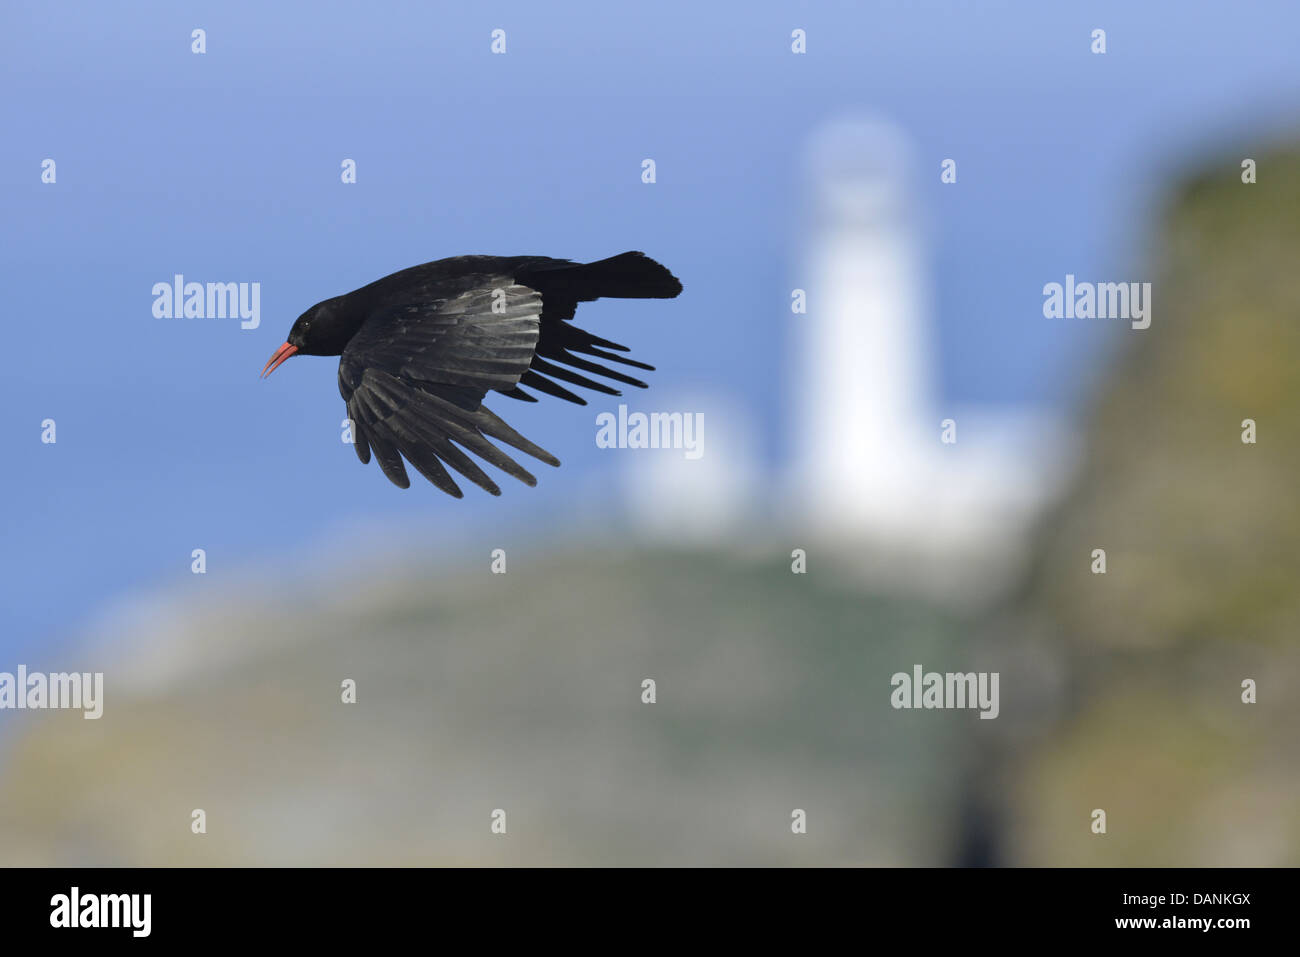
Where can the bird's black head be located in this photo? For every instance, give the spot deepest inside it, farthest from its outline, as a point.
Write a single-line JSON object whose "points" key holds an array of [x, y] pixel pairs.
{"points": [[323, 330]]}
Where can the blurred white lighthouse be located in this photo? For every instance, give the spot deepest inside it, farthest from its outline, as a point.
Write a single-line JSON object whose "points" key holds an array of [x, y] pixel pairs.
{"points": [[870, 469], [863, 388]]}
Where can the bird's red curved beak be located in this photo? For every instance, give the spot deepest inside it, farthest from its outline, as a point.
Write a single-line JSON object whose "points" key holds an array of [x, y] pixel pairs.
{"points": [[273, 363]]}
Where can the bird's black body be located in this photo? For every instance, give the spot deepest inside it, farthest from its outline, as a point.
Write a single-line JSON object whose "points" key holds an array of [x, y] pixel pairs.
{"points": [[421, 348]]}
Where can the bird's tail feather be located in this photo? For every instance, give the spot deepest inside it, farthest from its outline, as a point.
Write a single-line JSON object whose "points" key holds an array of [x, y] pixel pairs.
{"points": [[632, 275]]}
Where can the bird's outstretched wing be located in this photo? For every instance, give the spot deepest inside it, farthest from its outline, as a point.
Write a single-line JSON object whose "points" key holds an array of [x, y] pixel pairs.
{"points": [[415, 374]]}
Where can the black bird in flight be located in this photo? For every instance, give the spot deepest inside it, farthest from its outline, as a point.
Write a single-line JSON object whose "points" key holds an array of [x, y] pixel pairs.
{"points": [[421, 348]]}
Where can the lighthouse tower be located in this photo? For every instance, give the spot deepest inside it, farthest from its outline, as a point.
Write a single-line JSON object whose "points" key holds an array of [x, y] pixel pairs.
{"points": [[864, 432]]}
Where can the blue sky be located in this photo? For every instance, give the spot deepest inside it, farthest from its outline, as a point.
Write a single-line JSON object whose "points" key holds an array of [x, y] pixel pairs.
{"points": [[225, 167]]}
